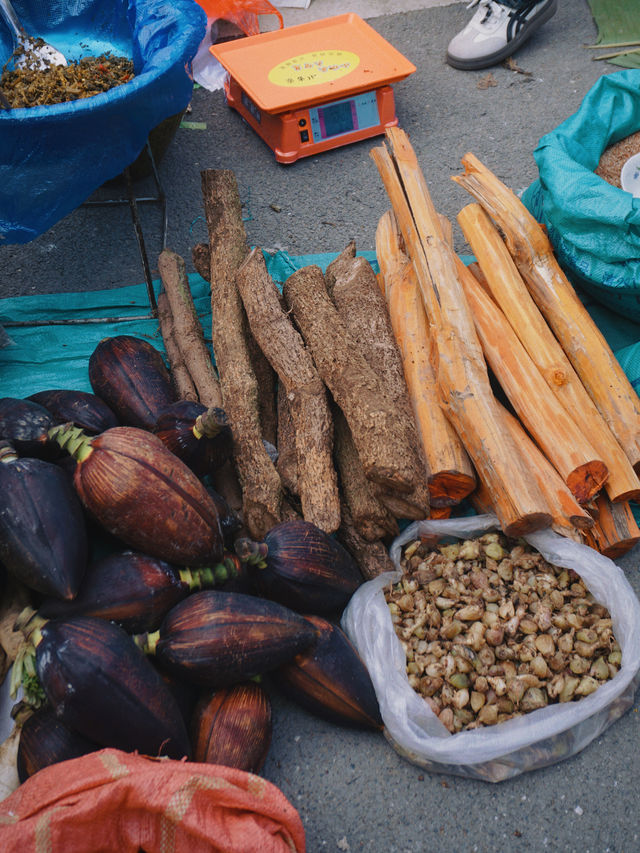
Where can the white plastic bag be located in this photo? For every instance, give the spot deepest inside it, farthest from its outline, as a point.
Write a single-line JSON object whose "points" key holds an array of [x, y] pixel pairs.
{"points": [[534, 740]]}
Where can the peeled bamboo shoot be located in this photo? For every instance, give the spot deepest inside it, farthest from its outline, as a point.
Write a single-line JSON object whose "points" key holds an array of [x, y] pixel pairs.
{"points": [[509, 291], [554, 430], [451, 474], [463, 380], [584, 344]]}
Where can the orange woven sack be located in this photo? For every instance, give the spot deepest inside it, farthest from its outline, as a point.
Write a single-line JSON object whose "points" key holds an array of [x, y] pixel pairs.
{"points": [[242, 13], [117, 802]]}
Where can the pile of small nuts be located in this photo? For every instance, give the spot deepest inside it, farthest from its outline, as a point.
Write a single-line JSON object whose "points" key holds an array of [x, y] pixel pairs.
{"points": [[491, 630]]}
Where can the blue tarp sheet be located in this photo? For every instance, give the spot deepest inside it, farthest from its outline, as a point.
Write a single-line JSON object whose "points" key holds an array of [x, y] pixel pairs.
{"points": [[52, 158]]}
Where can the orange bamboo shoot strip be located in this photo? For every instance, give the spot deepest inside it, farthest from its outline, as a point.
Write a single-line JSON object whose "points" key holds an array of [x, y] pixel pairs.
{"points": [[463, 380], [584, 344], [564, 507], [511, 294], [615, 531], [451, 476], [285, 351], [551, 426]]}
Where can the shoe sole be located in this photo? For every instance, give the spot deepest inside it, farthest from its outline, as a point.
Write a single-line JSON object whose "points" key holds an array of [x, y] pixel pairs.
{"points": [[485, 61]]}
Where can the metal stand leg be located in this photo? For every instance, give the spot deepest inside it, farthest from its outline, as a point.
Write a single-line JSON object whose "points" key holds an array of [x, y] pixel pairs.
{"points": [[133, 202]]}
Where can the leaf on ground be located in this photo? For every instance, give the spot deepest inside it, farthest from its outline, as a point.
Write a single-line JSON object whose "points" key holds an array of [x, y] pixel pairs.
{"points": [[511, 65], [487, 81]]}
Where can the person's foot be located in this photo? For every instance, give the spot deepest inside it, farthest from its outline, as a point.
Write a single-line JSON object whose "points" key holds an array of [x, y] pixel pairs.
{"points": [[498, 29]]}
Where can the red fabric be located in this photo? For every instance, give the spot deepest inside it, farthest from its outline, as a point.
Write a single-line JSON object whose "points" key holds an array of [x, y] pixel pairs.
{"points": [[117, 802], [242, 13]]}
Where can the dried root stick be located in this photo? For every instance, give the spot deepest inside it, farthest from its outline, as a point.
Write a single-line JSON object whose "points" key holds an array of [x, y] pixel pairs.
{"points": [[284, 348], [225, 252], [287, 462], [355, 386], [370, 517], [363, 309], [372, 557], [180, 375], [263, 503], [188, 330]]}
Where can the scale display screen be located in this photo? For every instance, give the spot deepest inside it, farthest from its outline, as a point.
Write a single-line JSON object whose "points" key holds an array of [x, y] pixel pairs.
{"points": [[344, 116]]}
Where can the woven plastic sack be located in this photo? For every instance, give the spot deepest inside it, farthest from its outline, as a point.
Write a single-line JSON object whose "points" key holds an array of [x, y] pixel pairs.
{"points": [[117, 802], [53, 157], [242, 17], [534, 740], [594, 227]]}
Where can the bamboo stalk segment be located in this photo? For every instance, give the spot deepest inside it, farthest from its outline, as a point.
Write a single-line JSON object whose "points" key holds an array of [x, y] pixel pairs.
{"points": [[284, 348], [509, 291], [615, 531], [553, 429], [582, 341], [354, 385], [463, 381], [451, 475]]}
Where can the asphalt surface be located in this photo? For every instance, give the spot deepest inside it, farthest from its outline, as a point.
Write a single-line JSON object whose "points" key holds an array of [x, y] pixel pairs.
{"points": [[353, 792]]}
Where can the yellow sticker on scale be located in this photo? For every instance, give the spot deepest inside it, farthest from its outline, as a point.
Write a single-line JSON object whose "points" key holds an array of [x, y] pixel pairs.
{"points": [[311, 69]]}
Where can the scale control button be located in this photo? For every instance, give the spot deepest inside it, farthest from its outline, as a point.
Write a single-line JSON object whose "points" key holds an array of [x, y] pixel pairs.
{"points": [[304, 136], [302, 122]]}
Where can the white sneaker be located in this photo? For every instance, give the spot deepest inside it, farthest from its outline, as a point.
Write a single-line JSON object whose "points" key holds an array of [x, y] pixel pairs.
{"points": [[497, 30]]}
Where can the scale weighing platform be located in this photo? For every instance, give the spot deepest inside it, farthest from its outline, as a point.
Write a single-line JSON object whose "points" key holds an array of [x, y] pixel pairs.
{"points": [[314, 86]]}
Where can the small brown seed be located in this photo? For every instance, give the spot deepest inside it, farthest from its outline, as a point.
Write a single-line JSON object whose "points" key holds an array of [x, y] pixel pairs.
{"points": [[586, 686], [533, 699], [476, 700]]}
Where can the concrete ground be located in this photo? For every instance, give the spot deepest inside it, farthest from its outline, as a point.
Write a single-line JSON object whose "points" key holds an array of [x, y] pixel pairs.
{"points": [[353, 792]]}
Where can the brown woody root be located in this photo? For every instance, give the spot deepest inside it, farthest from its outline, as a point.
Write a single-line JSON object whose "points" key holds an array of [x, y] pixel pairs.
{"points": [[337, 266], [363, 309], [287, 463], [355, 387], [372, 557], [188, 330], [182, 381], [284, 348], [262, 491], [370, 518]]}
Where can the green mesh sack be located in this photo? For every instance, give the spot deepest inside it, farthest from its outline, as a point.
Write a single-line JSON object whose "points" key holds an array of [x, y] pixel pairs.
{"points": [[593, 225]]}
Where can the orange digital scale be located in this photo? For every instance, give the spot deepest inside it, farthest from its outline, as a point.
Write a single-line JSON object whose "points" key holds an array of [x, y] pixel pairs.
{"points": [[314, 86]]}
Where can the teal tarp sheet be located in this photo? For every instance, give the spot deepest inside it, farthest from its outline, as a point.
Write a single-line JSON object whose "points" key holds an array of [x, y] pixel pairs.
{"points": [[56, 356]]}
